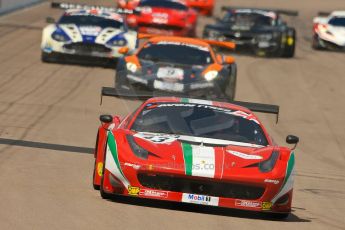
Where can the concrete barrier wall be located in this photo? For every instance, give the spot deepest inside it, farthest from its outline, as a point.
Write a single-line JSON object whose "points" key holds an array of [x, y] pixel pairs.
{"points": [[7, 6]]}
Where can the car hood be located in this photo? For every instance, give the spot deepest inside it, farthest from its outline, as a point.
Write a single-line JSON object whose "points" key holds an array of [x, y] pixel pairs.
{"points": [[89, 34], [180, 152]]}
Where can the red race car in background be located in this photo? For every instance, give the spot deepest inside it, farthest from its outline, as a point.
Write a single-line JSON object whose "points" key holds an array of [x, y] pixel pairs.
{"points": [[128, 4], [165, 17], [195, 151], [205, 7]]}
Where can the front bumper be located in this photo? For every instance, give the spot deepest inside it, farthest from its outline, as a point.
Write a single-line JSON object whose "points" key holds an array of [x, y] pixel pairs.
{"points": [[80, 49], [327, 44], [152, 84], [251, 44], [78, 59], [246, 196]]}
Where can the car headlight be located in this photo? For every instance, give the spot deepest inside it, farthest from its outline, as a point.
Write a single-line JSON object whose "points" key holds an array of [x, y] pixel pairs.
{"points": [[118, 42], [268, 165], [60, 37], [132, 67], [137, 150], [209, 76], [212, 34]]}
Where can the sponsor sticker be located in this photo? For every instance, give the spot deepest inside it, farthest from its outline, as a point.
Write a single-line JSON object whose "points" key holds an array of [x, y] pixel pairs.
{"points": [[153, 193], [266, 206], [200, 199], [135, 166], [100, 168], [133, 191], [245, 156], [248, 203], [271, 181]]}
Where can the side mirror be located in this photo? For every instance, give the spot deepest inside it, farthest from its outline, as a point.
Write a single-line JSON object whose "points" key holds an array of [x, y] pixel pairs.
{"points": [[106, 119], [123, 50], [291, 139], [50, 20], [229, 60]]}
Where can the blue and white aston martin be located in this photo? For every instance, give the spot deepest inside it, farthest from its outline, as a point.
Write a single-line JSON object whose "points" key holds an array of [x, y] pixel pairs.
{"points": [[87, 34]]}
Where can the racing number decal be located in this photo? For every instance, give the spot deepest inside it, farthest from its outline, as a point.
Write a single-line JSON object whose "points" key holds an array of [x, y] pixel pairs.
{"points": [[156, 138]]}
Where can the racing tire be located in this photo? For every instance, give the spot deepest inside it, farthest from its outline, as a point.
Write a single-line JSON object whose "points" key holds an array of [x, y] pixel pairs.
{"points": [[121, 79], [95, 186], [316, 43], [45, 57], [230, 89], [103, 193], [290, 46]]}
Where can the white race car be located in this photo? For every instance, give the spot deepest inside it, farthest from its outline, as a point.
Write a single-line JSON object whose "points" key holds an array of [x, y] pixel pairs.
{"points": [[329, 31], [86, 34]]}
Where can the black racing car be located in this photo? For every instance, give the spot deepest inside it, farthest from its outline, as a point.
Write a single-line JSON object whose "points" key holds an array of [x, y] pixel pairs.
{"points": [[180, 66], [260, 31]]}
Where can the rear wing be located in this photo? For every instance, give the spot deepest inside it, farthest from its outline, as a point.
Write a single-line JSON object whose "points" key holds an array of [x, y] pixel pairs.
{"points": [[66, 6], [144, 95], [227, 45], [293, 13], [323, 14]]}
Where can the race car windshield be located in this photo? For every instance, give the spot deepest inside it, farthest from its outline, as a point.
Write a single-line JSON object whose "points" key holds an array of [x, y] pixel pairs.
{"points": [[90, 20], [178, 53], [247, 20], [163, 4], [200, 121], [337, 22]]}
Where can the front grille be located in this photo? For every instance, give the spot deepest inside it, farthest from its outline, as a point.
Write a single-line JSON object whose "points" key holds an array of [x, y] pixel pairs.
{"points": [[200, 186], [243, 38], [81, 47], [160, 26]]}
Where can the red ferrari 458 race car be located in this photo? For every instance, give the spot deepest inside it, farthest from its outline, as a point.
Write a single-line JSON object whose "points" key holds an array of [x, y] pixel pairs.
{"points": [[195, 151], [205, 7], [166, 17], [128, 4]]}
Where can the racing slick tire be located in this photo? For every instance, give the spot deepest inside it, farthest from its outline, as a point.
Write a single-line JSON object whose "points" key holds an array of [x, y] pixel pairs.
{"points": [[95, 186], [103, 193], [316, 42], [121, 75], [46, 57], [230, 88], [290, 46]]}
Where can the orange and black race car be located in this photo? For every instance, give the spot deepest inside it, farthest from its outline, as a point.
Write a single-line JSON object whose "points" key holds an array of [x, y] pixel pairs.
{"points": [[181, 66]]}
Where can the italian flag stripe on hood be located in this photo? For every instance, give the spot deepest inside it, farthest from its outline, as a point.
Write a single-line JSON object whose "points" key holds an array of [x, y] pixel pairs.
{"points": [[203, 161]]}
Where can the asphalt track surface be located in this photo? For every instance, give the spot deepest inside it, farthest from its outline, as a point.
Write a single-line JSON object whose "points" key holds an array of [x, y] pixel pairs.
{"points": [[49, 115]]}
